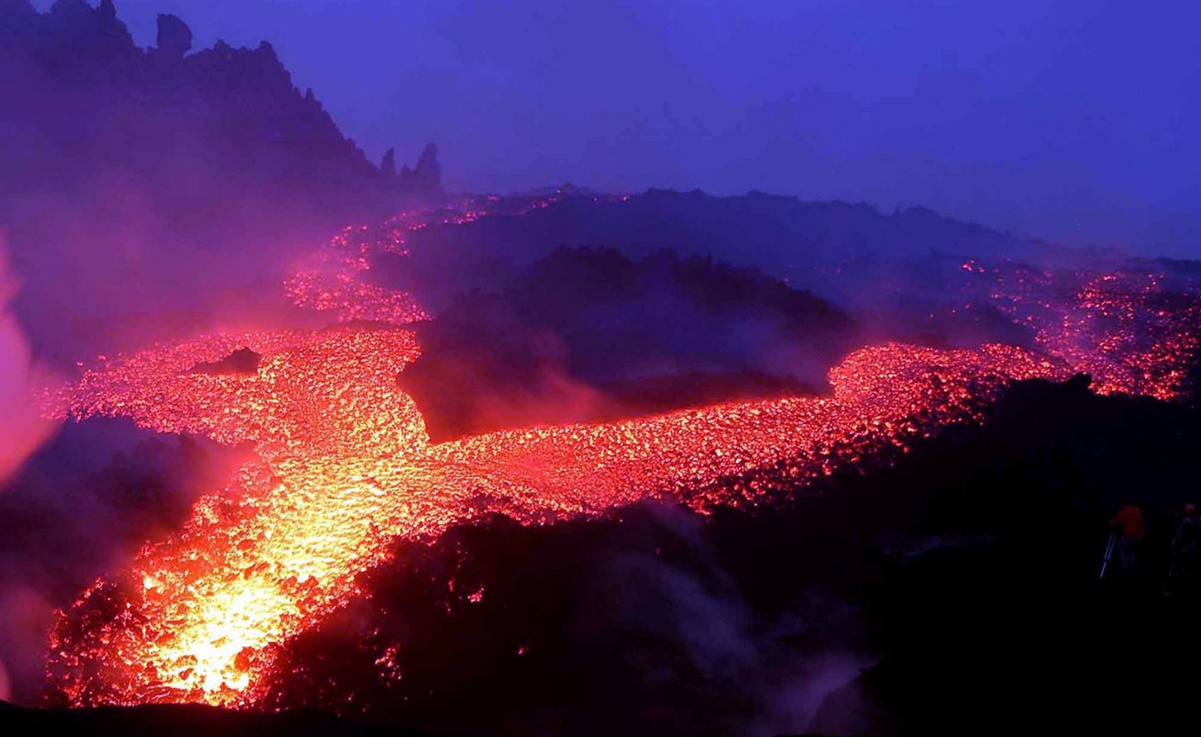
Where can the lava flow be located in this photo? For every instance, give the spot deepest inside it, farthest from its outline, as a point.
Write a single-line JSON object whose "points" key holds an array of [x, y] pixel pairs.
{"points": [[345, 468], [1127, 328]]}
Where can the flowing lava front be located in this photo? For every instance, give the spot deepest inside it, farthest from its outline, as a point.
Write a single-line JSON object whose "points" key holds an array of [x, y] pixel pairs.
{"points": [[345, 467]]}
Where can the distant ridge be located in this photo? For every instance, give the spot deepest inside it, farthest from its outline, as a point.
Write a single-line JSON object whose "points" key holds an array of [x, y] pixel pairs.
{"points": [[86, 105], [170, 175]]}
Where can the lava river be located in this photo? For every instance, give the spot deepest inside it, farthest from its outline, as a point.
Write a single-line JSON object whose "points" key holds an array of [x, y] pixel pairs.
{"points": [[345, 467]]}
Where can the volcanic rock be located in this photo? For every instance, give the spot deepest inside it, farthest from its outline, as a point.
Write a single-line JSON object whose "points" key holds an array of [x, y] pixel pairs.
{"points": [[174, 37], [429, 171], [243, 362]]}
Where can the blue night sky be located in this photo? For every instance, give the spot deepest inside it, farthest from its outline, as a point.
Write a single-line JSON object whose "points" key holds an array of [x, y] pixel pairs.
{"points": [[1076, 120]]}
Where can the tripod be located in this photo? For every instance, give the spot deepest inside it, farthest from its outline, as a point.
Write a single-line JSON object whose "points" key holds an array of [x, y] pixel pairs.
{"points": [[1109, 548]]}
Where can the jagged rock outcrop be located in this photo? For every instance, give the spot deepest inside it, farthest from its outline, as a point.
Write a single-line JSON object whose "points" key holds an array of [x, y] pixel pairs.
{"points": [[90, 45], [196, 125], [426, 179], [429, 171], [181, 157], [174, 37], [242, 362]]}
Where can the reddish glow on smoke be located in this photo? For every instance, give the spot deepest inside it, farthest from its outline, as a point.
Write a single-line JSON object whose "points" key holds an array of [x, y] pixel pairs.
{"points": [[22, 429], [333, 279]]}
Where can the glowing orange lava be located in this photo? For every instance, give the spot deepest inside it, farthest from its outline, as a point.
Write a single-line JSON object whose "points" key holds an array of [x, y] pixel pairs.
{"points": [[1127, 329], [345, 467]]}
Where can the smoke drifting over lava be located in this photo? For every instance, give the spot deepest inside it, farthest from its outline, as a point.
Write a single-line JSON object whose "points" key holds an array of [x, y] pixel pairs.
{"points": [[22, 427], [286, 459], [345, 466]]}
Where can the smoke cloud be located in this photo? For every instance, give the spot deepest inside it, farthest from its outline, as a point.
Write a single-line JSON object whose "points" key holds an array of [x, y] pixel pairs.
{"points": [[781, 666], [22, 429]]}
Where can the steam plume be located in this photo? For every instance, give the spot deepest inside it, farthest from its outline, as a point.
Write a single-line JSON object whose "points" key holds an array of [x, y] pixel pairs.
{"points": [[22, 430]]}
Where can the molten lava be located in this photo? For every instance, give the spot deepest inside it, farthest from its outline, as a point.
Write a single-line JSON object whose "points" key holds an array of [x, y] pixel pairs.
{"points": [[345, 466], [1128, 329]]}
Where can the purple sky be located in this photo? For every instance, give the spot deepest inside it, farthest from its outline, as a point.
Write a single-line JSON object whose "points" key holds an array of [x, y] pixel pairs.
{"points": [[1076, 120]]}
